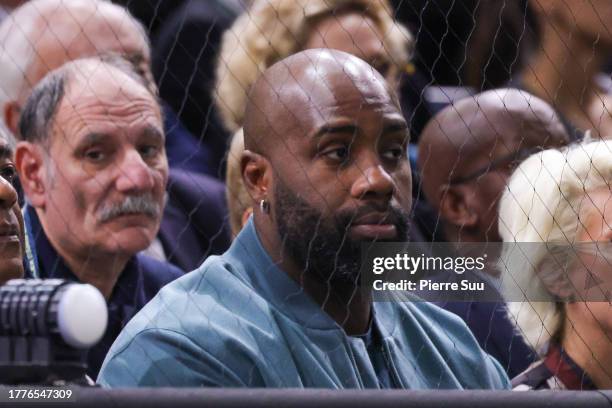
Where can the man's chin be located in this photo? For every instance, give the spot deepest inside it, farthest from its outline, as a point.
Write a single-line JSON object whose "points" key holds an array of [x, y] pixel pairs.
{"points": [[131, 240], [11, 269]]}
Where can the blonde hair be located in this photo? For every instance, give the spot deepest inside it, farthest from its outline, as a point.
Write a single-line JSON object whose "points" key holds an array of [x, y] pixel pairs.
{"points": [[238, 198], [272, 30], [542, 203]]}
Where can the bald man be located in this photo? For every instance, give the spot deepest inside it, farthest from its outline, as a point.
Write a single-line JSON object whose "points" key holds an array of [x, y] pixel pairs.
{"points": [[468, 151], [466, 155], [326, 167], [43, 35]]}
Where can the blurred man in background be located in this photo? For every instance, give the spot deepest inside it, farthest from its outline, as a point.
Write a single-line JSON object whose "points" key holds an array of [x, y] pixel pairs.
{"points": [[42, 35], [12, 245], [94, 171], [467, 152]]}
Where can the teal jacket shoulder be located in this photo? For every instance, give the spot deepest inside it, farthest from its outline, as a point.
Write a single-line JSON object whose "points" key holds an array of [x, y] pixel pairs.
{"points": [[238, 321]]}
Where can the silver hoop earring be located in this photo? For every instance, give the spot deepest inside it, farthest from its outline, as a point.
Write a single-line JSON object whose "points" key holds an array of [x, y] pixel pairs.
{"points": [[264, 206]]}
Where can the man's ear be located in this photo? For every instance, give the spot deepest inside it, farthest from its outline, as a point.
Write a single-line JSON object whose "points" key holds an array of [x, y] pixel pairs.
{"points": [[455, 207], [256, 175], [11, 113], [29, 163]]}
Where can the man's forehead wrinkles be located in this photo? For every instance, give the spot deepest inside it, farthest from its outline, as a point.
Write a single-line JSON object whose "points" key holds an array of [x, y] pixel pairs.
{"points": [[122, 105]]}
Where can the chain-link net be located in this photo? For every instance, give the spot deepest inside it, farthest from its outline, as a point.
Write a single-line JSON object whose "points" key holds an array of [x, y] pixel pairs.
{"points": [[268, 152]]}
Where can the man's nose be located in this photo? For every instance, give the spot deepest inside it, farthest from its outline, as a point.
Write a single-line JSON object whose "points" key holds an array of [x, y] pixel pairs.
{"points": [[134, 174], [373, 183], [8, 195]]}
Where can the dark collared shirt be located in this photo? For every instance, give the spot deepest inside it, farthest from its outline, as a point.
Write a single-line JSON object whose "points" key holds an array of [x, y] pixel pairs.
{"points": [[141, 279], [556, 371]]}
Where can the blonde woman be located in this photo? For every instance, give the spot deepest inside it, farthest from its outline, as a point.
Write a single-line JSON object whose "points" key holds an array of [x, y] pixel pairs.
{"points": [[274, 29], [562, 198]]}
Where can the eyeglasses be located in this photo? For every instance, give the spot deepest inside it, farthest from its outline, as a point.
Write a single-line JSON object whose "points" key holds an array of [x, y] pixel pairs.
{"points": [[510, 161]]}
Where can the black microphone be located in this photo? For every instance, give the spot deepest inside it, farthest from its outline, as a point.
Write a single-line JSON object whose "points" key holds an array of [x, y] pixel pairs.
{"points": [[46, 327]]}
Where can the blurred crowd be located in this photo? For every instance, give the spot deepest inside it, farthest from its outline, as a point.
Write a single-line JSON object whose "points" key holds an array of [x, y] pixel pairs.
{"points": [[214, 167]]}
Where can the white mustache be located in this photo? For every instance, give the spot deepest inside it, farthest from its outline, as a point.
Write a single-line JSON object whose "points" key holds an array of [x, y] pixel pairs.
{"points": [[142, 204]]}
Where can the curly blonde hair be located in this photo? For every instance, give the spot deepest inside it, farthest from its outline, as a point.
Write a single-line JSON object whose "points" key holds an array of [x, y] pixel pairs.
{"points": [[274, 29]]}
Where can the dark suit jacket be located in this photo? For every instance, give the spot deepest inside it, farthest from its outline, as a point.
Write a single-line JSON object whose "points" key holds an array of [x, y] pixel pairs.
{"points": [[184, 150], [195, 224], [490, 324], [138, 283], [185, 49], [495, 333]]}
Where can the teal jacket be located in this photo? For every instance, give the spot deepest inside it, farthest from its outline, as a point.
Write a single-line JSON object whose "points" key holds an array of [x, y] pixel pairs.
{"points": [[239, 321]]}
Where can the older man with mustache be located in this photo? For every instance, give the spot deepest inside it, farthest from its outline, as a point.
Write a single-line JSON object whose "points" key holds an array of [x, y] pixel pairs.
{"points": [[94, 170]]}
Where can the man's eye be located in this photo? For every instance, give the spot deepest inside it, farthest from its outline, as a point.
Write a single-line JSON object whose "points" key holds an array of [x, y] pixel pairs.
{"points": [[9, 173], [339, 154], [95, 155], [148, 151], [394, 154]]}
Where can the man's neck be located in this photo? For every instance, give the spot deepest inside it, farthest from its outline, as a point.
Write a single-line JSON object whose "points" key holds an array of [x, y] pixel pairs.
{"points": [[100, 270], [344, 303]]}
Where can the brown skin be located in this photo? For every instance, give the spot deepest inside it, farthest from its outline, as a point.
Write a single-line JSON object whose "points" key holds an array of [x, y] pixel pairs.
{"points": [[355, 33], [576, 45], [106, 143], [299, 138], [587, 330], [69, 33], [11, 220], [469, 136], [12, 3]]}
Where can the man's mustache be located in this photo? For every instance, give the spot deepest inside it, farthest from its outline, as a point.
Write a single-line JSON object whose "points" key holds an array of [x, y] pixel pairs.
{"points": [[140, 204], [390, 214]]}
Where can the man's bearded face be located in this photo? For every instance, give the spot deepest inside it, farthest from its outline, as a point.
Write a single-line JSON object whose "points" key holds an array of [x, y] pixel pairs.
{"points": [[322, 245]]}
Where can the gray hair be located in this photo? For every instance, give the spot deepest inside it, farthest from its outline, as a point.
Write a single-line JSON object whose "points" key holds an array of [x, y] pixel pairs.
{"points": [[41, 107]]}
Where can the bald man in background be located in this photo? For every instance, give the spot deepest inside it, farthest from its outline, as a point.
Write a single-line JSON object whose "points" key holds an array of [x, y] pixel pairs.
{"points": [[326, 166], [467, 152], [43, 35]]}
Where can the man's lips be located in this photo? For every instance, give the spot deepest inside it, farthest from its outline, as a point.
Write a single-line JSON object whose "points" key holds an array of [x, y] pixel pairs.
{"points": [[9, 234], [130, 216], [374, 226]]}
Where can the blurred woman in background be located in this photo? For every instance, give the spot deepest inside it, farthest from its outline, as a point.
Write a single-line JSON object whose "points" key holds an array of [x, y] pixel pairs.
{"points": [[564, 199]]}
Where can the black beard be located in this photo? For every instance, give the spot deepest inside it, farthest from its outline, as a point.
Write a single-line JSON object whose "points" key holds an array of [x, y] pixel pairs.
{"points": [[322, 246]]}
